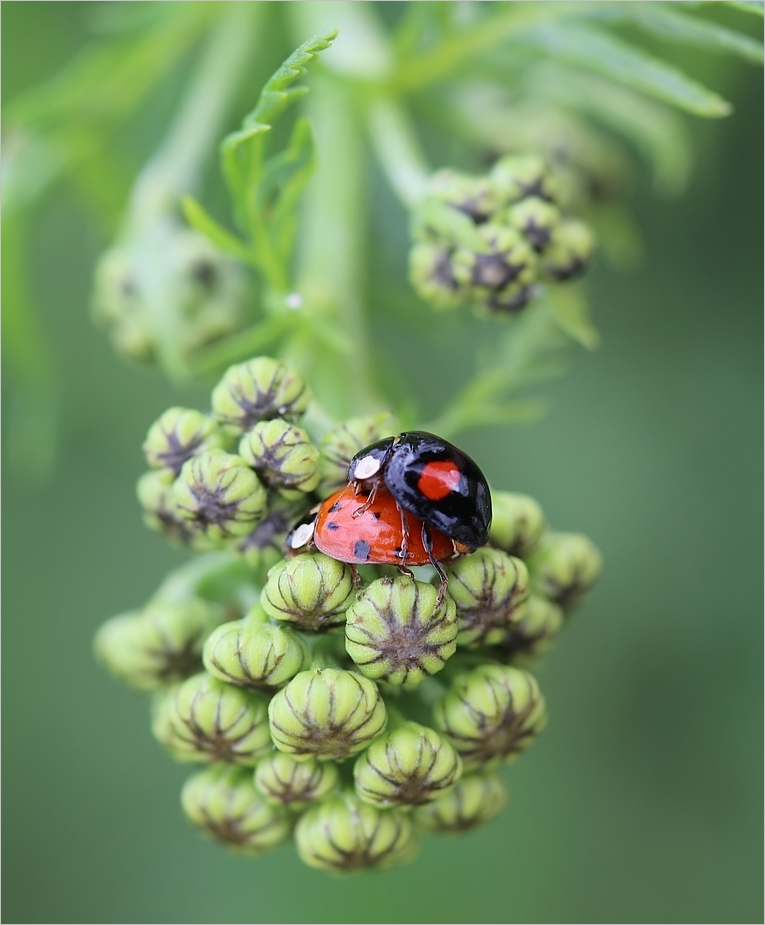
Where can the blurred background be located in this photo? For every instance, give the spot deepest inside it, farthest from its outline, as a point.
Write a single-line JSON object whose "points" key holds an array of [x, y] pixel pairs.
{"points": [[642, 802]]}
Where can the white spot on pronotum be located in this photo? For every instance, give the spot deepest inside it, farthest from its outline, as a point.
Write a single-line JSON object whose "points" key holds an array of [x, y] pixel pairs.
{"points": [[294, 300], [366, 467], [301, 535]]}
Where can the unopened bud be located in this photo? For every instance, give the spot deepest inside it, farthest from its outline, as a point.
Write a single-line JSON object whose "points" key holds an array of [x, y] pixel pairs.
{"points": [[476, 197], [287, 781], [282, 455], [343, 833], [536, 219], [489, 589], [476, 799], [491, 714], [176, 436], [223, 803], [517, 177], [409, 766], [432, 276], [396, 631], [532, 636], [571, 250], [160, 509], [155, 647], [219, 496], [511, 259], [564, 566], [326, 713], [259, 390], [204, 719], [517, 523], [310, 590], [254, 654]]}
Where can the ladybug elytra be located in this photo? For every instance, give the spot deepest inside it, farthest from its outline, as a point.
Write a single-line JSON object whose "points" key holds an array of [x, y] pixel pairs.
{"points": [[414, 499], [432, 479]]}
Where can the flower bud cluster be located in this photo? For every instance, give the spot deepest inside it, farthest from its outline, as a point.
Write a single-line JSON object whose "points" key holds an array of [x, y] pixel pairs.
{"points": [[490, 241], [350, 712], [196, 297]]}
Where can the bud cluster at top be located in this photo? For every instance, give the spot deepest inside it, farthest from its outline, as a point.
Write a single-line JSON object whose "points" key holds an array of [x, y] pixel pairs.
{"points": [[491, 241], [353, 712]]}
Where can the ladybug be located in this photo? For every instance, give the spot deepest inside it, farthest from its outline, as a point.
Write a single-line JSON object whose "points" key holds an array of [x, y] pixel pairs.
{"points": [[430, 478], [413, 499]]}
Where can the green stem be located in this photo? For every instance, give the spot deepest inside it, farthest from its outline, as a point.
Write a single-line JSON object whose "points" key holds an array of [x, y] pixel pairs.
{"points": [[397, 149], [331, 257]]}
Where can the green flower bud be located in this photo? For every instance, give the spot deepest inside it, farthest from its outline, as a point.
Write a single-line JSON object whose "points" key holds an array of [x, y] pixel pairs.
{"points": [[571, 250], [259, 390], [409, 766], [343, 833], [475, 800], [396, 632], [491, 714], [339, 445], [206, 720], [431, 275], [118, 308], [254, 654], [282, 455], [219, 495], [160, 510], [517, 177], [489, 589], [326, 712], [310, 590], [536, 219], [262, 548], [517, 523], [223, 803], [475, 196], [177, 436], [564, 566], [159, 645], [510, 260], [532, 636], [508, 301], [292, 782]]}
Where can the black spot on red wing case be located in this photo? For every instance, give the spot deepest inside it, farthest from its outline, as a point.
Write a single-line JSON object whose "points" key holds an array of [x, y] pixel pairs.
{"points": [[361, 550]]}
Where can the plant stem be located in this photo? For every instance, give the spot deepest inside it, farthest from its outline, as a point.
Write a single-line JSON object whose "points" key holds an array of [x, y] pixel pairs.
{"points": [[397, 149], [331, 256]]}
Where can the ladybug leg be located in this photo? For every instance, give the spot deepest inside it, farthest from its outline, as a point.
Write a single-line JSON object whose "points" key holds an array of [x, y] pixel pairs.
{"points": [[355, 575], [370, 499], [405, 570], [427, 543], [404, 534]]}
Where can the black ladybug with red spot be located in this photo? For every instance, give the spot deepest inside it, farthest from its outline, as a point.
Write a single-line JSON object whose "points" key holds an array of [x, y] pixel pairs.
{"points": [[432, 479]]}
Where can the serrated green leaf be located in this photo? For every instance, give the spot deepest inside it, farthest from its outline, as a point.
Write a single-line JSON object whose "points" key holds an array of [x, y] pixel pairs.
{"points": [[571, 312], [668, 22], [203, 222], [452, 225], [251, 183], [597, 51], [284, 178]]}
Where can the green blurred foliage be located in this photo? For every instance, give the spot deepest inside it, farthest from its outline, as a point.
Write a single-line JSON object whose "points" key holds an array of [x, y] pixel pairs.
{"points": [[643, 799]]}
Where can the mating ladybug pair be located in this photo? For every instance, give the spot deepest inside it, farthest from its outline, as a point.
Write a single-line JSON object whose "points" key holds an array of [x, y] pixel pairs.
{"points": [[413, 499]]}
